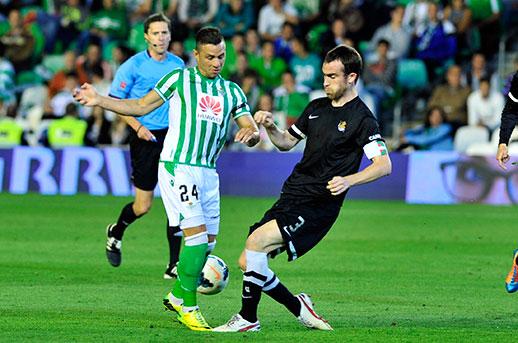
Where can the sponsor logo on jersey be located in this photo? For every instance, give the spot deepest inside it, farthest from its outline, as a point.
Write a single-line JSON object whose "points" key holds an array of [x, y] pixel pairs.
{"points": [[210, 109], [342, 125], [374, 137]]}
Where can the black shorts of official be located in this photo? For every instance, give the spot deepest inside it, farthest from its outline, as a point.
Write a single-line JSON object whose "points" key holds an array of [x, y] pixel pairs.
{"points": [[302, 223], [145, 156]]}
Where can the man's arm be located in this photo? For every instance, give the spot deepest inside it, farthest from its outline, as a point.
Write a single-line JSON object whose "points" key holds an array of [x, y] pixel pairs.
{"points": [[282, 139], [248, 132], [141, 131], [508, 122], [380, 166], [88, 96]]}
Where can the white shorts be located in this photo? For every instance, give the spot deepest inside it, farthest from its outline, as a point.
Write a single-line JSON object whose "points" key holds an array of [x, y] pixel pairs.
{"points": [[190, 196]]}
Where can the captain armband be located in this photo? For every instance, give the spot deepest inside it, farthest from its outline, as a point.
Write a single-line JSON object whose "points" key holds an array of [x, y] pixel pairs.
{"points": [[376, 148]]}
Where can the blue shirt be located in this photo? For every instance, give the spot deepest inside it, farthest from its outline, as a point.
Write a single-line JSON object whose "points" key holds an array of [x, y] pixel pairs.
{"points": [[137, 76]]}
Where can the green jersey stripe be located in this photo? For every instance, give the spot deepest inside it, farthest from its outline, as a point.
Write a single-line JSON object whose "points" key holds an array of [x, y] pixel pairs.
{"points": [[183, 116]]}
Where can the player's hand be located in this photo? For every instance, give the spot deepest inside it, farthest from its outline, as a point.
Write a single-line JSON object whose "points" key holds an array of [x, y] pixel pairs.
{"points": [[338, 185], [247, 135], [86, 95], [264, 118], [146, 135], [502, 156]]}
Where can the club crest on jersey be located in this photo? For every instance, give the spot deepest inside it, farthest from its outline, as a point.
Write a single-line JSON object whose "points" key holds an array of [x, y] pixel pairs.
{"points": [[210, 109], [342, 125]]}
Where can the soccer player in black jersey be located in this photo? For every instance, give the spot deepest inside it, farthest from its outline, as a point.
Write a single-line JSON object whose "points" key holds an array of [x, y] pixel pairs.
{"points": [[509, 121], [339, 129]]}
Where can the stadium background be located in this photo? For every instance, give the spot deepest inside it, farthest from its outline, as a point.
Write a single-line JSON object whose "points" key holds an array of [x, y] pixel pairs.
{"points": [[390, 270]]}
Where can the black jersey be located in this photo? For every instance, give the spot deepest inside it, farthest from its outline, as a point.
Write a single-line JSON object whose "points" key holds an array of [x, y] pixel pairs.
{"points": [[510, 112], [334, 147]]}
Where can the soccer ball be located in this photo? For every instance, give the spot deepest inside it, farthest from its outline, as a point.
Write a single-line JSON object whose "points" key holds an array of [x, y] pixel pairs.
{"points": [[214, 276]]}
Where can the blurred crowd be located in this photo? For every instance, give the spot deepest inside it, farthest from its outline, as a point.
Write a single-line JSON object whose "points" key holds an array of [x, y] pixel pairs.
{"points": [[430, 67]]}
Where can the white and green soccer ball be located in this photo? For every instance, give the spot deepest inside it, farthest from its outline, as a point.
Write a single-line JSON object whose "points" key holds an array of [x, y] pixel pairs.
{"points": [[214, 276]]}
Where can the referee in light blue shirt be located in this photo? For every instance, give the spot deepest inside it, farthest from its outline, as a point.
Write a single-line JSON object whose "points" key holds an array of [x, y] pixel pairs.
{"points": [[135, 78]]}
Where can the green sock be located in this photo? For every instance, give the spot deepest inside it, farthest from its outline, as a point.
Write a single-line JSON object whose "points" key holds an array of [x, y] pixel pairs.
{"points": [[191, 264], [177, 288]]}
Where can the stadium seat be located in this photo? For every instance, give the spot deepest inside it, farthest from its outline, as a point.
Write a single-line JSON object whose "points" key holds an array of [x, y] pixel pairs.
{"points": [[467, 135], [481, 149], [411, 74]]}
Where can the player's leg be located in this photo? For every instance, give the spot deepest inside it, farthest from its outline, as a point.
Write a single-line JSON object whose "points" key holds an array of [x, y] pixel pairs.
{"points": [[144, 163], [178, 186], [255, 265], [174, 239], [511, 282], [129, 213]]}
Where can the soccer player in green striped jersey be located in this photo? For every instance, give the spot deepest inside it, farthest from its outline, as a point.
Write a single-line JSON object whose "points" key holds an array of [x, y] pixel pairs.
{"points": [[201, 104]]}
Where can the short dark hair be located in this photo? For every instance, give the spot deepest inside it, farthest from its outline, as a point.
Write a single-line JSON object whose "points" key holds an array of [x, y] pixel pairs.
{"points": [[208, 35], [384, 41], [484, 79], [154, 18], [350, 58]]}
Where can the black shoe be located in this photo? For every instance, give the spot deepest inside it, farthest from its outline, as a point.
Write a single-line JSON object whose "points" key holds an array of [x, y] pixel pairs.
{"points": [[171, 271], [113, 248]]}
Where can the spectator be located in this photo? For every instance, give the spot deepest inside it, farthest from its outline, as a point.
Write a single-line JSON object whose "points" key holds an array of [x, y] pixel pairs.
{"points": [[178, 48], [416, 15], [305, 65], [7, 75], [283, 43], [237, 45], [56, 106], [459, 14], [242, 66], [393, 32], [120, 53], [485, 106], [86, 63], [73, 20], [486, 18], [452, 97], [308, 12], [108, 24], [434, 135], [250, 86], [57, 83], [272, 16], [18, 42], [290, 98], [67, 131], [477, 70], [269, 67], [233, 17], [435, 43], [335, 36], [348, 11], [252, 43], [197, 13], [379, 75], [11, 132]]}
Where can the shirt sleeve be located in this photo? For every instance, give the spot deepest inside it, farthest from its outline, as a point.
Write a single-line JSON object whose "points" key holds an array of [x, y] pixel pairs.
{"points": [[166, 86], [510, 112], [300, 128], [241, 105], [123, 81]]}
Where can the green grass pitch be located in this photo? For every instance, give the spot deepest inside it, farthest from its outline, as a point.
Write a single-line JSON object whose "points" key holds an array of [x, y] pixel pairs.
{"points": [[387, 272]]}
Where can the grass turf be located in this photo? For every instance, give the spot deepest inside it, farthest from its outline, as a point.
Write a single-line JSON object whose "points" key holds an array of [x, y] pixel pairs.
{"points": [[387, 271]]}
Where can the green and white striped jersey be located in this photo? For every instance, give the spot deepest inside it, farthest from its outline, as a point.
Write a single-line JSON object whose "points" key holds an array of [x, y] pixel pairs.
{"points": [[200, 110]]}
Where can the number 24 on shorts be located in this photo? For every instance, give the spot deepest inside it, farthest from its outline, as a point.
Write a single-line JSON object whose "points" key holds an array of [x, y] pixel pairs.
{"points": [[184, 196]]}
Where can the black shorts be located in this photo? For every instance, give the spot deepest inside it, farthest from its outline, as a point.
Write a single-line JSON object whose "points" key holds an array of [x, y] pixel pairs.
{"points": [[145, 156], [302, 223]]}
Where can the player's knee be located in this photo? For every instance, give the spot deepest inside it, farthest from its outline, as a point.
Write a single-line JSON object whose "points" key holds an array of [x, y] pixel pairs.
{"points": [[141, 208], [242, 262], [255, 242]]}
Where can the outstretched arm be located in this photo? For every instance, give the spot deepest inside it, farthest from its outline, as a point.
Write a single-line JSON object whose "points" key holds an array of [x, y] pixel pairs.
{"points": [[282, 139], [380, 166], [88, 96]]}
